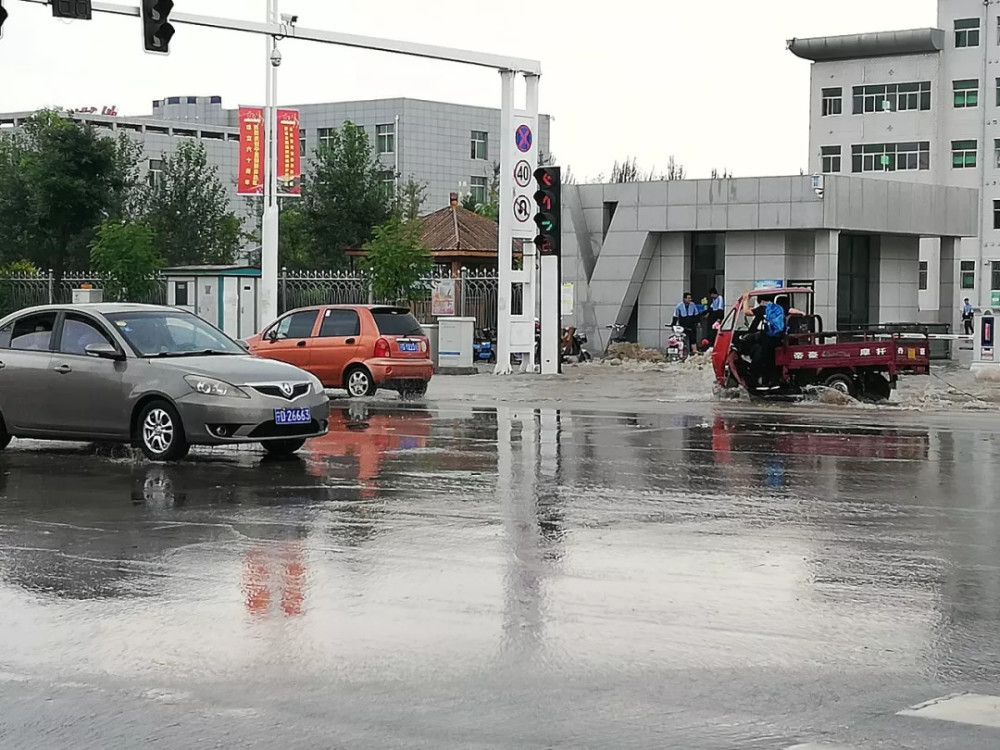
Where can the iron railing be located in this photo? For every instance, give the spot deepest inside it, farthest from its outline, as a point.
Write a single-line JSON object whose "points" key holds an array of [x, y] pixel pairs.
{"points": [[476, 292]]}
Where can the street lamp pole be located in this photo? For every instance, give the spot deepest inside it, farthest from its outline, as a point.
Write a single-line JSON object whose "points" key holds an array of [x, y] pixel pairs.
{"points": [[269, 220]]}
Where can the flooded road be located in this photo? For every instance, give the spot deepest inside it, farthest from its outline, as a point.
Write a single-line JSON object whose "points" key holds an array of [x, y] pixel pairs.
{"points": [[455, 576]]}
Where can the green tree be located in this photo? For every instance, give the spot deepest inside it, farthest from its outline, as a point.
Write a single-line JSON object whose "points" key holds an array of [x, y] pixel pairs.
{"points": [[189, 211], [397, 261], [123, 254], [58, 180], [345, 198], [410, 199], [295, 242]]}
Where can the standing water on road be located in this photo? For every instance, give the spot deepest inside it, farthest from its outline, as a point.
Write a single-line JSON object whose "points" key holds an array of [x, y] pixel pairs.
{"points": [[457, 575]]}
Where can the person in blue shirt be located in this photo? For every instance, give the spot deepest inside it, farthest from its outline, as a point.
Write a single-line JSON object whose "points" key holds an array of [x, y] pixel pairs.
{"points": [[717, 305], [967, 315], [686, 315]]}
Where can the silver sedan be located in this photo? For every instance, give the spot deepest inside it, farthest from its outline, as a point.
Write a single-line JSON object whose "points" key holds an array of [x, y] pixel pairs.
{"points": [[156, 377]]}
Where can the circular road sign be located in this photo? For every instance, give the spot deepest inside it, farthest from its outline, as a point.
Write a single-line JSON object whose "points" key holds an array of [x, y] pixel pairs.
{"points": [[522, 137], [522, 173], [522, 208]]}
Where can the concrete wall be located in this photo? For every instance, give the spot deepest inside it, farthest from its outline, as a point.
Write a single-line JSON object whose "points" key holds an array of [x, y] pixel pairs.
{"points": [[895, 299]]}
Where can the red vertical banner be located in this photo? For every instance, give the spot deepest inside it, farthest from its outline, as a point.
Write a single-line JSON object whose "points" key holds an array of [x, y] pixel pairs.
{"points": [[289, 154], [251, 163]]}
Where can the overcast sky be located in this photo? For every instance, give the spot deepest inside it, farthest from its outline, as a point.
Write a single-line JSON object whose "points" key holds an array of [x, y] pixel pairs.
{"points": [[710, 82]]}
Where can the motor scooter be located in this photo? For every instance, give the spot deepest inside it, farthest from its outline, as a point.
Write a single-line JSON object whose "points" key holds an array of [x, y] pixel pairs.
{"points": [[572, 345], [484, 346], [678, 345]]}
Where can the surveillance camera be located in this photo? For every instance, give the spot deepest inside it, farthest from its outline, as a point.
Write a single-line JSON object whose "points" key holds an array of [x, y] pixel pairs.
{"points": [[276, 57], [819, 192], [289, 19]]}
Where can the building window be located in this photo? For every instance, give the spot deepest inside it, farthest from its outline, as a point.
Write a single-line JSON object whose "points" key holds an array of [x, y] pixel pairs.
{"points": [[891, 157], [922, 276], [968, 272], [385, 138], [967, 32], [833, 102], [478, 188], [963, 154], [996, 214], [892, 97], [480, 143], [155, 174], [831, 159], [966, 93], [995, 267], [302, 143], [388, 178], [325, 137]]}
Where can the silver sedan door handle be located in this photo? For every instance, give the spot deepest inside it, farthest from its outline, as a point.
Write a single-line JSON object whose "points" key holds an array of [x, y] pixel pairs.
{"points": [[63, 369]]}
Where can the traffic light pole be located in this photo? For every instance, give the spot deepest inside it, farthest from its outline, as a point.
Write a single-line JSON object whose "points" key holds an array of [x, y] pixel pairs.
{"points": [[268, 303]]}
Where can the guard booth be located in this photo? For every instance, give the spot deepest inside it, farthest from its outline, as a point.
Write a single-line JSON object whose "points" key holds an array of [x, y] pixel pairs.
{"points": [[225, 296]]}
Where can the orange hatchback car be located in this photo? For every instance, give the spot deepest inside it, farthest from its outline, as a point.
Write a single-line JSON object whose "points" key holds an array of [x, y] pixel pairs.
{"points": [[359, 348]]}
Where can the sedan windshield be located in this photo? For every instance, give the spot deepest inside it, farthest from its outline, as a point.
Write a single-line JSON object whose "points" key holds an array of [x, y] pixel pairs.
{"points": [[171, 334]]}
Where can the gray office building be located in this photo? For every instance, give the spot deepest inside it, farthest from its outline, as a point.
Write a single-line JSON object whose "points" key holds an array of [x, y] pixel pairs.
{"points": [[450, 147], [918, 105]]}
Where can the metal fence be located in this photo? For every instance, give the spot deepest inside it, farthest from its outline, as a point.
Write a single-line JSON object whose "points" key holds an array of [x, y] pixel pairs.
{"points": [[475, 292]]}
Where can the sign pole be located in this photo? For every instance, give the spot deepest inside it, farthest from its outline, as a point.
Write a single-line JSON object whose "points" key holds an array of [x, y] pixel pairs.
{"points": [[268, 308], [505, 241]]}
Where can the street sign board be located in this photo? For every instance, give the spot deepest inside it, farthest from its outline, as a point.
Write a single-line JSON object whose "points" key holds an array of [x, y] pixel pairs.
{"points": [[526, 149]]}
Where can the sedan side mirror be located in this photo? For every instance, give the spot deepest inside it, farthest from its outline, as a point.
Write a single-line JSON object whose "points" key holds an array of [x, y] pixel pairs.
{"points": [[243, 344], [104, 351]]}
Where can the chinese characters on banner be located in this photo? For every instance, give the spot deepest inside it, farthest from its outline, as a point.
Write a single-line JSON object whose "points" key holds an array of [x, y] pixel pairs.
{"points": [[289, 157], [251, 174]]}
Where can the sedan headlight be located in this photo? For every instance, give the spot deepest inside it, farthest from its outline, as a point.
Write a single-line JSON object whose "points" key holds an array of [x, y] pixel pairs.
{"points": [[213, 387], [317, 384]]}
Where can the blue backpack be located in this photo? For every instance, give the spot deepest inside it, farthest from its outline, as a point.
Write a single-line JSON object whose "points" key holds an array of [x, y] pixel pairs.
{"points": [[774, 319]]}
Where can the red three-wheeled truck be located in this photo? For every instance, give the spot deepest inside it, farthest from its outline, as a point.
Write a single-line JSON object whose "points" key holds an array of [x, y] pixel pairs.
{"points": [[861, 364]]}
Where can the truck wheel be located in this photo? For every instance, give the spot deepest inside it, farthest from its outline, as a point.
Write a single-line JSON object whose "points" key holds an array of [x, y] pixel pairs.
{"points": [[843, 383]]}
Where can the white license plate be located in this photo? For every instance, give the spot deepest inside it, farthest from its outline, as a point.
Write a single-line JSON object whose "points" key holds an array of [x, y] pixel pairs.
{"points": [[292, 416]]}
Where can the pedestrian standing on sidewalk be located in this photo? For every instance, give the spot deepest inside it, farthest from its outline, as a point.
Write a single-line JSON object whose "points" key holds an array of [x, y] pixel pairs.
{"points": [[967, 314]]}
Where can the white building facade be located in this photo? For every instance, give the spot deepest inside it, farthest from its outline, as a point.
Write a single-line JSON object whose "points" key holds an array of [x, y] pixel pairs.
{"points": [[919, 105]]}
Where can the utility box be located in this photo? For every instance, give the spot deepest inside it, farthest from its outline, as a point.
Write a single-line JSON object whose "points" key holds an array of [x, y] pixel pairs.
{"points": [[225, 296], [985, 357], [431, 332], [88, 296], [455, 338]]}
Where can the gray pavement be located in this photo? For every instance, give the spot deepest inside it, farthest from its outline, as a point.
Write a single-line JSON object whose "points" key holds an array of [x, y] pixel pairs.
{"points": [[525, 563]]}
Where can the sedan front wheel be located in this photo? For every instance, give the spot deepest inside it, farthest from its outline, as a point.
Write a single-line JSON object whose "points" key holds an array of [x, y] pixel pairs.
{"points": [[161, 433]]}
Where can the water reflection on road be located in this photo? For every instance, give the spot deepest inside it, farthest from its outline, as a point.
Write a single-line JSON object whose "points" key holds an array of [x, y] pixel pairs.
{"points": [[451, 554]]}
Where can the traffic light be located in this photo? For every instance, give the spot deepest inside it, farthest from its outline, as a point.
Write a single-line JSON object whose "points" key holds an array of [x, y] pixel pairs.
{"points": [[78, 9], [156, 27], [548, 198], [3, 17]]}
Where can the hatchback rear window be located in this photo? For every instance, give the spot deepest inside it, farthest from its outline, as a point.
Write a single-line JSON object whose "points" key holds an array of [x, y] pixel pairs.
{"points": [[396, 323]]}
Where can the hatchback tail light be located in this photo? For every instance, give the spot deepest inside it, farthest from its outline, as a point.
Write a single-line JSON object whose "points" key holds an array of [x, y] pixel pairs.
{"points": [[382, 350]]}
